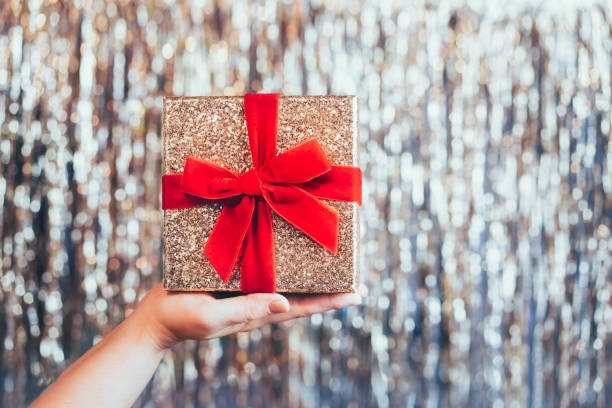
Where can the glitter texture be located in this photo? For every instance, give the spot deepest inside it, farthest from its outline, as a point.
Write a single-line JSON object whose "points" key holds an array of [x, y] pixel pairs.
{"points": [[214, 128]]}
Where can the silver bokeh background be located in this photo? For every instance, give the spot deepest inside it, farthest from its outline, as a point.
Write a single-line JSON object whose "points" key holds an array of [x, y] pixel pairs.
{"points": [[485, 142]]}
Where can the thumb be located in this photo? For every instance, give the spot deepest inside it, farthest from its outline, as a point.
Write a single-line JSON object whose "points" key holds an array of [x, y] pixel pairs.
{"points": [[243, 309]]}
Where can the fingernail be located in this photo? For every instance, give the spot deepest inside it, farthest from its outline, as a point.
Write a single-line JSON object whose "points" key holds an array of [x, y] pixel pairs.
{"points": [[350, 299], [355, 299], [279, 305]]}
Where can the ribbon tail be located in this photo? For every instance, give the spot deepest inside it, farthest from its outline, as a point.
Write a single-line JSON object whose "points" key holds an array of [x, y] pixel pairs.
{"points": [[257, 270], [341, 183], [226, 239], [307, 213]]}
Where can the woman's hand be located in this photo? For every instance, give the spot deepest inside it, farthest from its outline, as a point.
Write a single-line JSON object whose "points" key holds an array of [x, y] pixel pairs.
{"points": [[114, 371], [169, 317]]}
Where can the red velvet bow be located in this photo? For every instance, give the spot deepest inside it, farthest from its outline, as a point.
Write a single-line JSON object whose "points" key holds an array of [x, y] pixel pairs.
{"points": [[290, 184]]}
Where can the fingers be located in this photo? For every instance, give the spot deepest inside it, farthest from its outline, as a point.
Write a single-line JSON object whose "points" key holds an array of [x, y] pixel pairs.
{"points": [[220, 317], [241, 310], [306, 305]]}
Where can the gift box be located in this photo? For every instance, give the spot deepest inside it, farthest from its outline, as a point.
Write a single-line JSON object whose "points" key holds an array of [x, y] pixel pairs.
{"points": [[261, 193]]}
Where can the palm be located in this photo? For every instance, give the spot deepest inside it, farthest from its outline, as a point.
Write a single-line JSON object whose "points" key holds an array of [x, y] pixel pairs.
{"points": [[188, 315]]}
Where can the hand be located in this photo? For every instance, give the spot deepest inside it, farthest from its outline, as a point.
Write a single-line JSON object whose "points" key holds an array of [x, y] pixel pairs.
{"points": [[114, 371], [169, 317]]}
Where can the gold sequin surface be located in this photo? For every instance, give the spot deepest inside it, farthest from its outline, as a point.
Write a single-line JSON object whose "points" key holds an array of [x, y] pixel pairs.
{"points": [[215, 128]]}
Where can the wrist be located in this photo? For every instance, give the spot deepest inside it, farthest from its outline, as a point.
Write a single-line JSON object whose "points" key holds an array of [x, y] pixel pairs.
{"points": [[147, 332], [145, 318]]}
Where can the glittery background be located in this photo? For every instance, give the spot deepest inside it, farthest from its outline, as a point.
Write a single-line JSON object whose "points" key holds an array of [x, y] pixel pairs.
{"points": [[215, 128], [485, 233]]}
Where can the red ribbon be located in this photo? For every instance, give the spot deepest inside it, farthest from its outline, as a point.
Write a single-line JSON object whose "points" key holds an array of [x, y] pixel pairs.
{"points": [[289, 184]]}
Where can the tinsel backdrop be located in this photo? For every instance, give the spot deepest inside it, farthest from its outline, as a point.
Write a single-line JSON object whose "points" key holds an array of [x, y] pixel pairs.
{"points": [[485, 143]]}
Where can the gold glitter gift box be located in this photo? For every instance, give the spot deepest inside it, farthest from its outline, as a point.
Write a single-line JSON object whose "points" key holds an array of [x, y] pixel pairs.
{"points": [[214, 128]]}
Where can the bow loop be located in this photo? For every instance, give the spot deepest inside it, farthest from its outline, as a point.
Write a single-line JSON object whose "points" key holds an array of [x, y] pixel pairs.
{"points": [[205, 179], [283, 169]]}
